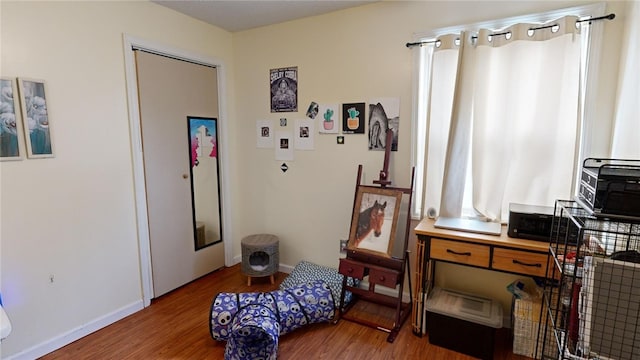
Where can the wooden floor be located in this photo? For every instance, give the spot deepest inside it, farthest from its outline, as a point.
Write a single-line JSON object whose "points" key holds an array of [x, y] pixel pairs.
{"points": [[176, 326]]}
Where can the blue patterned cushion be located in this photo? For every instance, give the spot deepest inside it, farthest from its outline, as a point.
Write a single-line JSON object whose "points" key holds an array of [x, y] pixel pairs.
{"points": [[252, 322], [306, 271]]}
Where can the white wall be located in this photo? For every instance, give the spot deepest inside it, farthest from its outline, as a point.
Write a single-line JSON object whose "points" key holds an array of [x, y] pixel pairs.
{"points": [[73, 217], [347, 56]]}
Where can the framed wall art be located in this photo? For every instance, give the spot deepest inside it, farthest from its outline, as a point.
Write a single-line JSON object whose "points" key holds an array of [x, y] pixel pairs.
{"points": [[353, 118], [284, 89], [10, 127], [374, 220], [328, 119], [383, 116], [35, 117]]}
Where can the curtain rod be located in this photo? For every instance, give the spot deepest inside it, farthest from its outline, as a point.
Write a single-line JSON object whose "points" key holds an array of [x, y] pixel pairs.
{"points": [[604, 17]]}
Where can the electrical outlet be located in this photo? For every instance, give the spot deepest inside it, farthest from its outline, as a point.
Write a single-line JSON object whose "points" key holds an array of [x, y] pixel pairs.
{"points": [[343, 245]]}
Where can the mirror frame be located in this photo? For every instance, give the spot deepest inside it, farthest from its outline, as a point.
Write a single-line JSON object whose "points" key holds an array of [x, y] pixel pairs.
{"points": [[193, 161]]}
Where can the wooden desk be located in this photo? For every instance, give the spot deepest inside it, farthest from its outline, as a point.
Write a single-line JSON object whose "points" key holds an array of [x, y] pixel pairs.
{"points": [[499, 253]]}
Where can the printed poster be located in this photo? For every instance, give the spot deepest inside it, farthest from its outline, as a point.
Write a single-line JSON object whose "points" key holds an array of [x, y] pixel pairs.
{"points": [[284, 89], [328, 119], [353, 118], [304, 134], [264, 134], [384, 113], [284, 146]]}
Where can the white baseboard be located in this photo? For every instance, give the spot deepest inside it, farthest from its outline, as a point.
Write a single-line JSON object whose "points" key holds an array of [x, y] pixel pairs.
{"points": [[286, 268], [77, 333], [282, 268]]}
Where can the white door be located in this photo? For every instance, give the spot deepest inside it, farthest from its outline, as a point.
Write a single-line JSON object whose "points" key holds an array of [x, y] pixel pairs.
{"points": [[169, 91]]}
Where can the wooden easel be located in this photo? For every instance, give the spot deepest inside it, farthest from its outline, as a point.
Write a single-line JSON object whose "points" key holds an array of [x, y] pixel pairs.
{"points": [[385, 271]]}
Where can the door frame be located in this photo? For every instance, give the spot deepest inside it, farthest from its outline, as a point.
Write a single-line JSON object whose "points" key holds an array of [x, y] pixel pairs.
{"points": [[142, 221]]}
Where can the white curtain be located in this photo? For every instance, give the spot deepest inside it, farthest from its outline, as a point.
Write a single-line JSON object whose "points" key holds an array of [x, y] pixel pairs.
{"points": [[516, 104], [443, 80], [625, 144]]}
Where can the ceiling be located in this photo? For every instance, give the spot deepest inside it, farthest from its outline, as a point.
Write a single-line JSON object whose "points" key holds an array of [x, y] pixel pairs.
{"points": [[238, 15]]}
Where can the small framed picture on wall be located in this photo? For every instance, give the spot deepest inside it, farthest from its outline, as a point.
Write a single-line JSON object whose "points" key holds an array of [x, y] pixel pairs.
{"points": [[35, 117], [10, 127]]}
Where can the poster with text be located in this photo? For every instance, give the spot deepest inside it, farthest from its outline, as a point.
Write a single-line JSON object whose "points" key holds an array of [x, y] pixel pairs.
{"points": [[284, 89]]}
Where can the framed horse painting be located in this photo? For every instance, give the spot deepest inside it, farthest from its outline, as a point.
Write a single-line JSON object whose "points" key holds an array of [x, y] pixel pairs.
{"points": [[374, 219]]}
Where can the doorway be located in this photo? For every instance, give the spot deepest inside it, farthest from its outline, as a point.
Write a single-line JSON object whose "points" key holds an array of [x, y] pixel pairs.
{"points": [[167, 226]]}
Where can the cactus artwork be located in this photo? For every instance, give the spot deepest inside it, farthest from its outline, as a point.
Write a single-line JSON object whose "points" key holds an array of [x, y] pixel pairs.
{"points": [[328, 115], [328, 119], [327, 122], [353, 122], [353, 118]]}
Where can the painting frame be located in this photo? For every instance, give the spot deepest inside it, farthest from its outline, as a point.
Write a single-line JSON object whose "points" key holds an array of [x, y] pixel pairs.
{"points": [[11, 131], [378, 238], [35, 118]]}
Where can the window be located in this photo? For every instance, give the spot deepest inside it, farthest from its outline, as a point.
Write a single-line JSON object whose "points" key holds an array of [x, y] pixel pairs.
{"points": [[490, 128]]}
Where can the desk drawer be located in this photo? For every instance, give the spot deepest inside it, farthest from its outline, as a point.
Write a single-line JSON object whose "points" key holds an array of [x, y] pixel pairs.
{"points": [[384, 277], [351, 268], [522, 262], [460, 252]]}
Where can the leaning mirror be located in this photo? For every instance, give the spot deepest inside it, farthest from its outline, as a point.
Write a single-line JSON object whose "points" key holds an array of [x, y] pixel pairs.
{"points": [[205, 184]]}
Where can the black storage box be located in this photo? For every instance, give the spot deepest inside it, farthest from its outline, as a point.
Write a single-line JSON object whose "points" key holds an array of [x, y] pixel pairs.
{"points": [[610, 187], [463, 322]]}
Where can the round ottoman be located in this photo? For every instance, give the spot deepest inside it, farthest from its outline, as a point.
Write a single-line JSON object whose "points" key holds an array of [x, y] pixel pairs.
{"points": [[260, 256]]}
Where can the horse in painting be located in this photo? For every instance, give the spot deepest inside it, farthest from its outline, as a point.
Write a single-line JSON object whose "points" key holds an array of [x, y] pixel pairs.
{"points": [[370, 220]]}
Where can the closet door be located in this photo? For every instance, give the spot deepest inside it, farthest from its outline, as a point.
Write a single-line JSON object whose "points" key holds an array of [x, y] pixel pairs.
{"points": [[169, 91]]}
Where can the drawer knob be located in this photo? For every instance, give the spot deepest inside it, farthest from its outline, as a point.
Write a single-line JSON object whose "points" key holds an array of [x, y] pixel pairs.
{"points": [[459, 253], [518, 262], [381, 278], [350, 270]]}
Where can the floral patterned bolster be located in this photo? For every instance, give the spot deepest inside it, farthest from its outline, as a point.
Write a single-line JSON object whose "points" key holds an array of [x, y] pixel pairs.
{"points": [[306, 271]]}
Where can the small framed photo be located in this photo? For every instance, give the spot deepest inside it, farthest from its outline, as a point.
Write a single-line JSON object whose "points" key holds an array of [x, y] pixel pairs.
{"points": [[10, 126], [374, 220], [35, 117]]}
